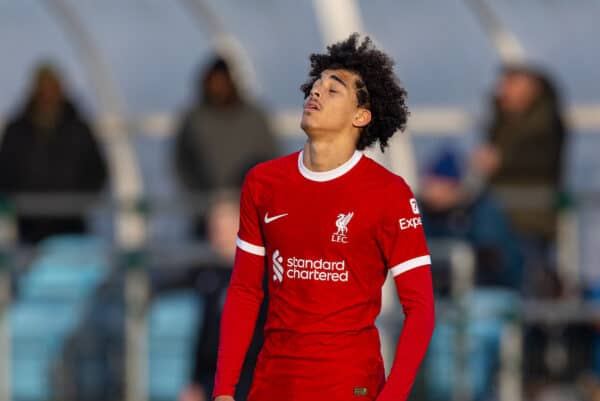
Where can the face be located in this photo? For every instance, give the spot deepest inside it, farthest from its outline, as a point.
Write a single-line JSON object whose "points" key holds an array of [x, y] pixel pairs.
{"points": [[332, 106], [222, 222], [517, 91], [219, 88], [48, 91], [441, 194]]}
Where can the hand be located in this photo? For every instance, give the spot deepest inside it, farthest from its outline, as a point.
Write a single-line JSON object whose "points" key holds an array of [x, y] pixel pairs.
{"points": [[224, 398], [193, 392], [486, 160]]}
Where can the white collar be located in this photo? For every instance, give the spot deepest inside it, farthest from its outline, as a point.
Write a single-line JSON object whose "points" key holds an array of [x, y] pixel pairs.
{"points": [[321, 176]]}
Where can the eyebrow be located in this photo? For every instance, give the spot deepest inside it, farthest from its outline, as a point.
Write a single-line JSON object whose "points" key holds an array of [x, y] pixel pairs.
{"points": [[338, 79]]}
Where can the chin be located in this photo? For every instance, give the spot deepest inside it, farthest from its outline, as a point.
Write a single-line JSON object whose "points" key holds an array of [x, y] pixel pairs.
{"points": [[305, 125]]}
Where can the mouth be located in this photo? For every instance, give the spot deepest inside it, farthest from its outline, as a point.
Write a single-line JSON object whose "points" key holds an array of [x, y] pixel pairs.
{"points": [[312, 105]]}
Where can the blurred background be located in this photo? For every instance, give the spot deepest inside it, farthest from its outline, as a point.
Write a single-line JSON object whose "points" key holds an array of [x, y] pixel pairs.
{"points": [[127, 127]]}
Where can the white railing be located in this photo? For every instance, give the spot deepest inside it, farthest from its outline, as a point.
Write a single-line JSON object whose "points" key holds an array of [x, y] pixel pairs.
{"points": [[427, 121]]}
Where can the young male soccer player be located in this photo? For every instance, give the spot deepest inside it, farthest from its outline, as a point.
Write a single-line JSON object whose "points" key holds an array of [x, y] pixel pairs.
{"points": [[328, 223]]}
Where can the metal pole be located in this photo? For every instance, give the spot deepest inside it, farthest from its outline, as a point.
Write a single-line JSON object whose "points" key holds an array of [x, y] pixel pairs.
{"points": [[462, 262], [136, 331], [337, 19], [8, 235], [568, 249], [507, 45], [511, 360], [5, 348], [225, 44]]}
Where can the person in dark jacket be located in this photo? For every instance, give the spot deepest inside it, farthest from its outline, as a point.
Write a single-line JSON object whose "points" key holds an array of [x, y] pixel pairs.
{"points": [[48, 148], [522, 162], [524, 149]]}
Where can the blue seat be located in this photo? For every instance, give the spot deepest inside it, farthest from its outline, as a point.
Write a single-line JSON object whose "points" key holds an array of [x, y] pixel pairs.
{"points": [[30, 381], [487, 312], [35, 319], [68, 268], [56, 282], [173, 327], [169, 375], [38, 332], [52, 297], [77, 245]]}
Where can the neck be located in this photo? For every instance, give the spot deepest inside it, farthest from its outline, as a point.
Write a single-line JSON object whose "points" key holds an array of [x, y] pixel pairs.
{"points": [[326, 155]]}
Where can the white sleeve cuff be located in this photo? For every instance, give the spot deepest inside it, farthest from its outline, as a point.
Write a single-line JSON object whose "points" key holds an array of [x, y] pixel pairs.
{"points": [[411, 264], [250, 248]]}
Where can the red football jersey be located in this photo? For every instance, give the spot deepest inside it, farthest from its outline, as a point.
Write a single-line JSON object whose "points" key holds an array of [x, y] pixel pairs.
{"points": [[327, 240]]}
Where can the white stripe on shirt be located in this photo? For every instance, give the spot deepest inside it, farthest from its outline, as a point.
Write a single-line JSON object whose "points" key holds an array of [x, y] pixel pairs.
{"points": [[411, 264], [250, 248]]}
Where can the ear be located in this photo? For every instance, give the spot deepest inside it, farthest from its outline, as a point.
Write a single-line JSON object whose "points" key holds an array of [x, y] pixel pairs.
{"points": [[362, 117]]}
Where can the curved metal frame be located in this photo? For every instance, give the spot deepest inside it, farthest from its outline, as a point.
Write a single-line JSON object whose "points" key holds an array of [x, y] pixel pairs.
{"points": [[507, 45], [225, 44]]}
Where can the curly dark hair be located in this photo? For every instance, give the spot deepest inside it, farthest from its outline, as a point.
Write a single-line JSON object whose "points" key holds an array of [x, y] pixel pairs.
{"points": [[377, 88]]}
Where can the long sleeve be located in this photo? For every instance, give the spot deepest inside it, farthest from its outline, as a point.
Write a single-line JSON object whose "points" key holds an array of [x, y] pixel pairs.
{"points": [[242, 304], [402, 240], [244, 295], [416, 296]]}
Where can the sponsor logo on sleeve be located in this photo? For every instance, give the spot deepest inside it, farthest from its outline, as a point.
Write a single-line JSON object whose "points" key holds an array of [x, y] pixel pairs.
{"points": [[414, 206], [408, 223]]}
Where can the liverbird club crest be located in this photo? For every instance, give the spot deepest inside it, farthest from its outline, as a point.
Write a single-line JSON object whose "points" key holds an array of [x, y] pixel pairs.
{"points": [[342, 228]]}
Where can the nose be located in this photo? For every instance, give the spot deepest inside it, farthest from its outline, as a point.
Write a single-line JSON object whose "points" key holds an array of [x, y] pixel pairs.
{"points": [[314, 92]]}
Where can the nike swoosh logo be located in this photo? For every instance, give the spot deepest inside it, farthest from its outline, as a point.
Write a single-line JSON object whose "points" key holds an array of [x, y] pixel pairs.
{"points": [[273, 218]]}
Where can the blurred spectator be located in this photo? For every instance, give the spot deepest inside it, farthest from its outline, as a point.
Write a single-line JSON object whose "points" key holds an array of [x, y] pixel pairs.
{"points": [[221, 136], [450, 210], [49, 148], [523, 162], [222, 226]]}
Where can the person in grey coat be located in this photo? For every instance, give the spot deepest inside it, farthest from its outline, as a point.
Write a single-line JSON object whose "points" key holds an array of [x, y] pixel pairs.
{"points": [[220, 137]]}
